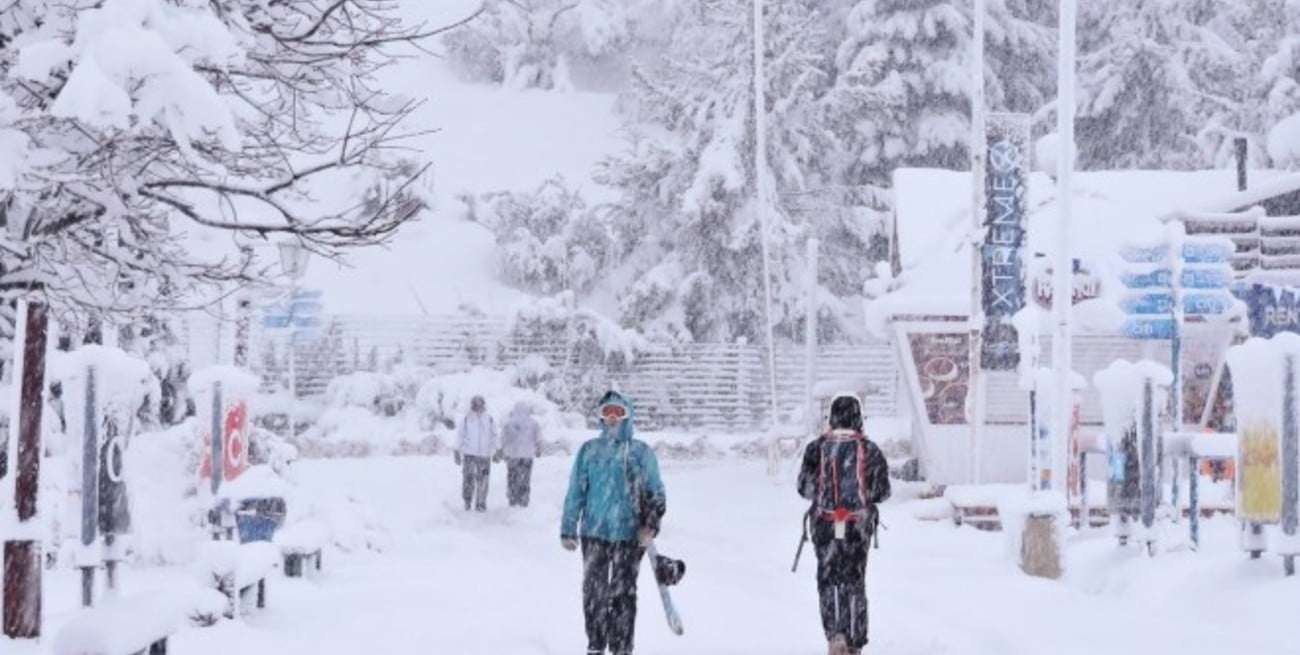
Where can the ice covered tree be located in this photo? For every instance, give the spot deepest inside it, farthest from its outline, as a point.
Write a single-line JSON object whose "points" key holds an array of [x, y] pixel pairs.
{"points": [[142, 140]]}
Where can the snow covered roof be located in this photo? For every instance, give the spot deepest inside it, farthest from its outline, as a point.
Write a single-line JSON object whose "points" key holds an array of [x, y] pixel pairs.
{"points": [[1110, 209]]}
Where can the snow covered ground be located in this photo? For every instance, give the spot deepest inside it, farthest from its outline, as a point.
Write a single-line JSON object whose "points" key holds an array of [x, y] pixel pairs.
{"points": [[442, 581]]}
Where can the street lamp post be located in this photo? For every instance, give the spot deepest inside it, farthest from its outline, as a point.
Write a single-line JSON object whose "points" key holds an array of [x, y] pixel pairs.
{"points": [[293, 262]]}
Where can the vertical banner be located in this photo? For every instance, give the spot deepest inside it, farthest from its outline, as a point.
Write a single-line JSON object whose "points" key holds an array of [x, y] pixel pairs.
{"points": [[1006, 212]]}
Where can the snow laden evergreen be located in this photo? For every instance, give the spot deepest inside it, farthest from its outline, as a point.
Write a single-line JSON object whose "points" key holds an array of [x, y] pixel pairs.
{"points": [[130, 130], [1150, 74], [901, 93]]}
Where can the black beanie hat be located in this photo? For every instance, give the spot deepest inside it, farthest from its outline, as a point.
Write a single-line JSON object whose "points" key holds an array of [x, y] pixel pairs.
{"points": [[846, 413]]}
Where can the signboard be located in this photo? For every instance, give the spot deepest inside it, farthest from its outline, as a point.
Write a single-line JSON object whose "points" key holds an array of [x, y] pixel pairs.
{"points": [[1085, 286], [1006, 191], [1158, 278], [234, 445], [943, 369], [1149, 328], [1271, 310], [1259, 473], [298, 309]]}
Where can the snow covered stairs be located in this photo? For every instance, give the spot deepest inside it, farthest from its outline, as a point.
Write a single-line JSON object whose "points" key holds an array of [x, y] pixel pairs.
{"points": [[301, 543]]}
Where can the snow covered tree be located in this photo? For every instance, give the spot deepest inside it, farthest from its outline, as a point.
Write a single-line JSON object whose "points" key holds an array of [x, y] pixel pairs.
{"points": [[901, 94], [142, 140], [687, 178], [1151, 73]]}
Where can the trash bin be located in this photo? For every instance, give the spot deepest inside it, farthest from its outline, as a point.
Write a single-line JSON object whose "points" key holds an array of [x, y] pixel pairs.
{"points": [[258, 518]]}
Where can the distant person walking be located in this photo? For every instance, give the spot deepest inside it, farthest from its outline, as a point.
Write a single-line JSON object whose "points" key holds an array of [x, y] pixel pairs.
{"points": [[845, 476], [521, 442], [613, 508], [474, 450]]}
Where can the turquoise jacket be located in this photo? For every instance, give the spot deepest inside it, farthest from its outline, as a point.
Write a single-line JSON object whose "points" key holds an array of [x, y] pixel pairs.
{"points": [[601, 503]]}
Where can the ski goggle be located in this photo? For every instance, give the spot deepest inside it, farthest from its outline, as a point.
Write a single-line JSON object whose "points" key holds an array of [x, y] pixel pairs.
{"points": [[616, 412]]}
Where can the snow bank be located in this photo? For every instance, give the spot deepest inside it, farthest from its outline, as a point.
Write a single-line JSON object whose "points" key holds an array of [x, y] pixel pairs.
{"points": [[1120, 386]]}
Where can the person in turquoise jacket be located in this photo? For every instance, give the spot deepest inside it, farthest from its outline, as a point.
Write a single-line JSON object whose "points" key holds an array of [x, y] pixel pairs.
{"points": [[613, 508]]}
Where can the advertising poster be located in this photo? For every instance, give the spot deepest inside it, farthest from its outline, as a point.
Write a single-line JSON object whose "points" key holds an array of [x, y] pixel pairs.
{"points": [[943, 371]]}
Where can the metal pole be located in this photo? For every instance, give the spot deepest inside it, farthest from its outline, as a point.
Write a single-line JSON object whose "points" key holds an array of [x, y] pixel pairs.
{"points": [[217, 433], [978, 154], [1176, 362], [763, 193], [1290, 461], [810, 338], [1062, 291], [1148, 458], [293, 356], [89, 486], [22, 557]]}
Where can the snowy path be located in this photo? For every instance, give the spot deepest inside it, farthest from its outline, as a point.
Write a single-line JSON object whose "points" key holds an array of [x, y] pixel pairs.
{"points": [[450, 582]]}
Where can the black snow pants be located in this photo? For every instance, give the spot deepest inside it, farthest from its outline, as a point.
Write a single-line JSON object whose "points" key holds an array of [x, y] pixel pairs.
{"points": [[474, 484], [519, 480], [609, 570], [842, 581]]}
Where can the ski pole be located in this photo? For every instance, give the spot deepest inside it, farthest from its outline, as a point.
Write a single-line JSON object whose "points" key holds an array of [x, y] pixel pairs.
{"points": [[802, 540]]}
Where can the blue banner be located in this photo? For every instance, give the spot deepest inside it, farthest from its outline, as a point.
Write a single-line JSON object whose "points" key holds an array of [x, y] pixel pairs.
{"points": [[1003, 286], [1148, 303]]}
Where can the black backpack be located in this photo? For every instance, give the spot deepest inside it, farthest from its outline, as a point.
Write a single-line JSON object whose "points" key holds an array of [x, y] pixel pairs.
{"points": [[842, 485]]}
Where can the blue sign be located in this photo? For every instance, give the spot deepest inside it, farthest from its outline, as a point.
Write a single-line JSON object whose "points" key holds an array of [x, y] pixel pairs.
{"points": [[1272, 310], [305, 308], [1145, 254], [1202, 304], [1148, 303], [1149, 328], [275, 321], [1158, 278], [1206, 278], [1214, 252]]}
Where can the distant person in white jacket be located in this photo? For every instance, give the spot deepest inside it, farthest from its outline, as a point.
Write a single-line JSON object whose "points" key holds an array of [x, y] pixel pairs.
{"points": [[478, 443], [521, 441]]}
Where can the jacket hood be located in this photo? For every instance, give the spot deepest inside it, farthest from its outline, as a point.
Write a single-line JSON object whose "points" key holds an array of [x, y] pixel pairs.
{"points": [[521, 410], [624, 430]]}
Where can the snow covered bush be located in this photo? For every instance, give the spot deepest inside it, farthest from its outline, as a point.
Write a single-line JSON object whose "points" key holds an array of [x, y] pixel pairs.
{"points": [[548, 240], [528, 44], [585, 350]]}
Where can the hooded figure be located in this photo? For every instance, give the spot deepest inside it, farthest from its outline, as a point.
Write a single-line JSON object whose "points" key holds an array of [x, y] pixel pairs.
{"points": [[845, 475], [613, 507], [521, 441]]}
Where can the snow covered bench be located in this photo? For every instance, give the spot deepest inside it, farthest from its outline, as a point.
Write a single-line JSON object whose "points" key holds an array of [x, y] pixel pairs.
{"points": [[300, 543], [238, 570], [124, 626]]}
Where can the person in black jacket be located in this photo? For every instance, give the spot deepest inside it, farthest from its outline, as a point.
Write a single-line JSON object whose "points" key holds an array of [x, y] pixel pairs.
{"points": [[845, 476]]}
